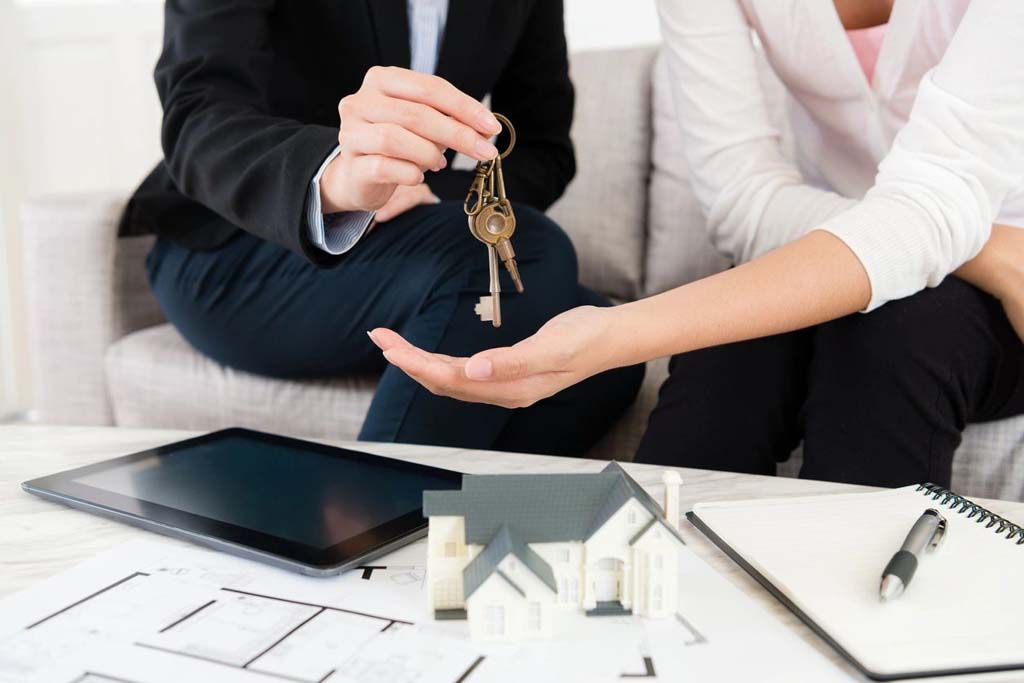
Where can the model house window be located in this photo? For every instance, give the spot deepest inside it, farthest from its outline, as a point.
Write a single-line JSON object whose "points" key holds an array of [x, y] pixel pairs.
{"points": [[449, 549], [631, 516], [574, 590], [533, 623], [447, 594], [563, 554], [495, 620], [657, 597], [563, 592], [657, 562]]}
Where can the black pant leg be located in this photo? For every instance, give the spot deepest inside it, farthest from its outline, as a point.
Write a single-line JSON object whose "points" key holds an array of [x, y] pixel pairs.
{"points": [[892, 390], [257, 307], [731, 407], [566, 420]]}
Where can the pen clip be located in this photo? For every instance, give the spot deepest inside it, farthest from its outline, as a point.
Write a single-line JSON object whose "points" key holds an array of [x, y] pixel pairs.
{"points": [[940, 530]]}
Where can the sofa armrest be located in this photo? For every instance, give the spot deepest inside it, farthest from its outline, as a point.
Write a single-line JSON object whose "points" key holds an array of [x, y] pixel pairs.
{"points": [[85, 288]]}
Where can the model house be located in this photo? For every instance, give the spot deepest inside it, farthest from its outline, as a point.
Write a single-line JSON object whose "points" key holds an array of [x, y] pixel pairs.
{"points": [[508, 551]]}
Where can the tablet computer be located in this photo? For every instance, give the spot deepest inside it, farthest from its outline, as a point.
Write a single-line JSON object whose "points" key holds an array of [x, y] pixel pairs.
{"points": [[303, 506]]}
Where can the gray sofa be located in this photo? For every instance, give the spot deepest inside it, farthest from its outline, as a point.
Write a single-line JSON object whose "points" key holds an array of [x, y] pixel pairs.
{"points": [[103, 353]]}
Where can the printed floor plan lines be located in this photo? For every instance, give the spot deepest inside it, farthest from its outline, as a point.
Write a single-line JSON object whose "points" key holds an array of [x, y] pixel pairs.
{"points": [[310, 604], [291, 640], [696, 637], [84, 600], [92, 677], [400, 574], [648, 670], [194, 612], [155, 611]]}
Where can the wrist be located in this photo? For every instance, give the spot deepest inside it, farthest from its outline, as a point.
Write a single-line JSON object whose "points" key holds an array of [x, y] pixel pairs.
{"points": [[630, 339], [1009, 277], [331, 196]]}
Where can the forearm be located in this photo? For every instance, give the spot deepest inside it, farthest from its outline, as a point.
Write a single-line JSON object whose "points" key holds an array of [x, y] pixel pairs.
{"points": [[999, 267], [810, 281]]}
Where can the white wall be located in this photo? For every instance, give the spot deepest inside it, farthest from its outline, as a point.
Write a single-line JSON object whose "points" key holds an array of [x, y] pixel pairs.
{"points": [[592, 24], [78, 113]]}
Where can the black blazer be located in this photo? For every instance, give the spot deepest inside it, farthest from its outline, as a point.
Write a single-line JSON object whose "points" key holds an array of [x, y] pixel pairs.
{"points": [[250, 90]]}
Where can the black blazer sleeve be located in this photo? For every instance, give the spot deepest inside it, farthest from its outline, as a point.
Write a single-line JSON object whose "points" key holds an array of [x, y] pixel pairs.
{"points": [[535, 93], [221, 146]]}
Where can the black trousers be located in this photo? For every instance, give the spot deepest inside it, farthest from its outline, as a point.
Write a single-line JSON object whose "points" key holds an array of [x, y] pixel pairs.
{"points": [[257, 307], [878, 398]]}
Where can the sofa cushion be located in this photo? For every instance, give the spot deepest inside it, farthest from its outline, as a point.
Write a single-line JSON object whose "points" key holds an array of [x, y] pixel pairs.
{"points": [[157, 380], [604, 210]]}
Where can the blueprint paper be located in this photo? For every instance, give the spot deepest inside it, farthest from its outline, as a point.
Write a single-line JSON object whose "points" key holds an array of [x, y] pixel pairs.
{"points": [[158, 611]]}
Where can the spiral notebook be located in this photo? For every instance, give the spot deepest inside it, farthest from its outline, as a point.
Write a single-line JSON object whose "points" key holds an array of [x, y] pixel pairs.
{"points": [[823, 557]]}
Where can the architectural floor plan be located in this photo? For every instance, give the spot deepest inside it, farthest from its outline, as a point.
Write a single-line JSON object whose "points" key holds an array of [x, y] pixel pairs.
{"points": [[158, 611]]}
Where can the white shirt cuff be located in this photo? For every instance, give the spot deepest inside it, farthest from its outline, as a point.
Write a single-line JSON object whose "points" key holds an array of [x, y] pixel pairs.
{"points": [[334, 233]]}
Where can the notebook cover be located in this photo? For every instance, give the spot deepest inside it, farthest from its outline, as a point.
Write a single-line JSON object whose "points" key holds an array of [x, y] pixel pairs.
{"points": [[696, 521]]}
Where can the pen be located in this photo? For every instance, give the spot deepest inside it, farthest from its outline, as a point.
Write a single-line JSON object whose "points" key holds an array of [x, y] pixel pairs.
{"points": [[927, 532]]}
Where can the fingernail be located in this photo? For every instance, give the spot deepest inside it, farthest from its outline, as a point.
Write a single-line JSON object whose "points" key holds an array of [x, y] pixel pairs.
{"points": [[488, 122], [486, 149], [479, 368], [387, 356], [444, 161]]}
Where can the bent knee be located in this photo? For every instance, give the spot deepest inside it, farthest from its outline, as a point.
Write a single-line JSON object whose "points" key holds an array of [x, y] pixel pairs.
{"points": [[935, 322], [539, 238]]}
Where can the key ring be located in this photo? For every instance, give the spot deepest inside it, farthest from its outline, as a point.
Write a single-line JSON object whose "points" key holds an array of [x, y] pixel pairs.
{"points": [[473, 203], [503, 120]]}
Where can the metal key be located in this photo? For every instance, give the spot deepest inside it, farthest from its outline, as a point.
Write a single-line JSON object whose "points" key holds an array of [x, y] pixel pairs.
{"points": [[492, 221], [505, 225], [489, 307]]}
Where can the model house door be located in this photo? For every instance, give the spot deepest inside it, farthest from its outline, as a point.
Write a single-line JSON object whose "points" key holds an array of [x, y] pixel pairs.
{"points": [[607, 583], [495, 624]]}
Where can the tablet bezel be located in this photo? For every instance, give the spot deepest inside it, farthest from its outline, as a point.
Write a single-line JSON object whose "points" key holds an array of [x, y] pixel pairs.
{"points": [[62, 487]]}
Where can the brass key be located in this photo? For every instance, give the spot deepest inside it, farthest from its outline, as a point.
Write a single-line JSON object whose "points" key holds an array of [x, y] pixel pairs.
{"points": [[492, 221], [503, 223]]}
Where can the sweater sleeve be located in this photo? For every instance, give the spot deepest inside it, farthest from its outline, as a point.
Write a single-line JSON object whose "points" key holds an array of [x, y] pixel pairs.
{"points": [[753, 198], [950, 168]]}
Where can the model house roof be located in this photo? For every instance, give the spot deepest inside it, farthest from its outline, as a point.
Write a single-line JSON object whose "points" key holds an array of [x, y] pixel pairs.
{"points": [[505, 542], [540, 508], [505, 513]]}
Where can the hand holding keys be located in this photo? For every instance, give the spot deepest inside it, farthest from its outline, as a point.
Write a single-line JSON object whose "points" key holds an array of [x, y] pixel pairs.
{"points": [[492, 221]]}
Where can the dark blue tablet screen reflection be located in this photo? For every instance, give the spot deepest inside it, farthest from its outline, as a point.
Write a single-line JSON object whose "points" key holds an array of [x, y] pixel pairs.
{"points": [[298, 495]]}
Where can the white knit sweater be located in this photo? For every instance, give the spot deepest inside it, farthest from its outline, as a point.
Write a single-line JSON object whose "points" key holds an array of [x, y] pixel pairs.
{"points": [[910, 170]]}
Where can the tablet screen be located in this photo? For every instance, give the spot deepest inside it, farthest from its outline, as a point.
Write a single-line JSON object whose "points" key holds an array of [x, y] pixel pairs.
{"points": [[313, 504], [288, 492]]}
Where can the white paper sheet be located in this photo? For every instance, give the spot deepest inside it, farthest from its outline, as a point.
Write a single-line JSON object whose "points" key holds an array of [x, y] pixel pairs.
{"points": [[153, 611]]}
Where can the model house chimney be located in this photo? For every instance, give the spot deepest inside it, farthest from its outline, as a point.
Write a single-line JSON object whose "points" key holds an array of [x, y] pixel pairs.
{"points": [[672, 481]]}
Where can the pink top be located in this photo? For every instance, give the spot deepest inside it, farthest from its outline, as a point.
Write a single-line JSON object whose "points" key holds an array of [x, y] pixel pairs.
{"points": [[867, 43]]}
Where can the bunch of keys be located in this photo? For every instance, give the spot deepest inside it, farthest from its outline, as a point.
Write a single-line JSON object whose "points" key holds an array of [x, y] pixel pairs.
{"points": [[492, 221]]}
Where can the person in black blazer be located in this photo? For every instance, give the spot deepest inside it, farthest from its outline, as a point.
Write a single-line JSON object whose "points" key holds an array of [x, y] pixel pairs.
{"points": [[283, 236]]}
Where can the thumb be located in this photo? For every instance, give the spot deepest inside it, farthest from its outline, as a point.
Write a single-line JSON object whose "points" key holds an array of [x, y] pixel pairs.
{"points": [[528, 357]]}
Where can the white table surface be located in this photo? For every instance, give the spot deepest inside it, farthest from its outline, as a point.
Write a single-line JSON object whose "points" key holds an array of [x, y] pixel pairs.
{"points": [[39, 539]]}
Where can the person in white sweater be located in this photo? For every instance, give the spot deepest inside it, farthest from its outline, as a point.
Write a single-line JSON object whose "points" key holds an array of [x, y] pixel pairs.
{"points": [[879, 277]]}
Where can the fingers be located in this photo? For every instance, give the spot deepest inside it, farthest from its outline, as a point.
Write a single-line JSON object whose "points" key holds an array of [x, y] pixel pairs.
{"points": [[391, 140], [421, 119], [527, 358], [434, 92], [386, 340], [401, 202], [449, 379], [387, 171]]}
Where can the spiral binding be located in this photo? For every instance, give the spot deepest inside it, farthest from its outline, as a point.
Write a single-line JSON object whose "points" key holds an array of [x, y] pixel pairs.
{"points": [[953, 502]]}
